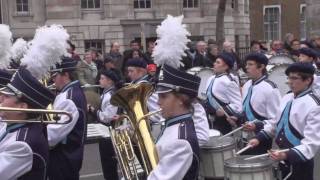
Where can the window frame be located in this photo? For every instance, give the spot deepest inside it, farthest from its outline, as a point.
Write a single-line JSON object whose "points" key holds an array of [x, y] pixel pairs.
{"points": [[193, 2], [94, 4], [279, 22], [100, 50], [139, 5], [303, 34]]}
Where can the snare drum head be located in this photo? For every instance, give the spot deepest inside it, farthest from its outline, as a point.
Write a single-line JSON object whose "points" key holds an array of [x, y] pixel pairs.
{"points": [[280, 59], [240, 162], [278, 76], [219, 143], [204, 73]]}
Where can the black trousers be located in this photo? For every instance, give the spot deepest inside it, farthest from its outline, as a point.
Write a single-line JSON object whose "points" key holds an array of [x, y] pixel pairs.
{"points": [[108, 159], [300, 171], [221, 124]]}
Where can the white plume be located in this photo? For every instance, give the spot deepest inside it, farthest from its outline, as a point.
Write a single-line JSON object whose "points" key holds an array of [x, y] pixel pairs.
{"points": [[171, 43], [5, 45], [18, 49], [47, 47]]}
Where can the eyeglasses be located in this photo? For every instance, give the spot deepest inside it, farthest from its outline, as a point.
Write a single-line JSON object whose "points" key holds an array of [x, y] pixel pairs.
{"points": [[293, 78]]}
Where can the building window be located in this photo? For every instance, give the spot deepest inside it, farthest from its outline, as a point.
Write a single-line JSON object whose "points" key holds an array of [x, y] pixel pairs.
{"points": [[22, 6], [142, 4], [303, 32], [246, 6], [190, 3], [234, 5], [271, 22], [96, 44], [90, 4]]}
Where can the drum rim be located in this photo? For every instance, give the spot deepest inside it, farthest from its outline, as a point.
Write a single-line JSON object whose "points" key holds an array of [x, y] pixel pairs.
{"points": [[263, 163], [231, 143]]}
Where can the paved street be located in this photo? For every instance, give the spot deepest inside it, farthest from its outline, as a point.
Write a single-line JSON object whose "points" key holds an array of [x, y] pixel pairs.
{"points": [[91, 167]]}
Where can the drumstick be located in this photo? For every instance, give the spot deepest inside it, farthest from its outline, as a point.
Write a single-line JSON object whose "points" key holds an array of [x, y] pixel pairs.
{"points": [[265, 155], [244, 149], [230, 133]]}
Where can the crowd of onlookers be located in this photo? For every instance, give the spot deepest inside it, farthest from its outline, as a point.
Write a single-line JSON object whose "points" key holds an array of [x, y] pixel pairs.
{"points": [[200, 53]]}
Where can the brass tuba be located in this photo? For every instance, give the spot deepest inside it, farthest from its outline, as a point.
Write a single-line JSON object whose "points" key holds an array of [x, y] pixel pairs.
{"points": [[133, 99]]}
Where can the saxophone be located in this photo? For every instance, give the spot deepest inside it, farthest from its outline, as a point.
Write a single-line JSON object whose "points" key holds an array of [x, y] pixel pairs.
{"points": [[133, 99]]}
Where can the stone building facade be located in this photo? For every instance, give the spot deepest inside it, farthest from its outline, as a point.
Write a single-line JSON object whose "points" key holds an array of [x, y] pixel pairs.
{"points": [[100, 22], [273, 19]]}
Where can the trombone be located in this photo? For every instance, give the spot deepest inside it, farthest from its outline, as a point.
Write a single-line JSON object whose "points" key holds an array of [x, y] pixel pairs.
{"points": [[53, 87], [37, 111]]}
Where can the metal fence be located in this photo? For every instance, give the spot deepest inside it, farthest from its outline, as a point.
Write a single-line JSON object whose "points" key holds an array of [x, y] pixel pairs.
{"points": [[242, 52]]}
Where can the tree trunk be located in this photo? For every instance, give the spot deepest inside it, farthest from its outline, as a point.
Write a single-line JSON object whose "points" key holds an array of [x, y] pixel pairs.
{"points": [[220, 23]]}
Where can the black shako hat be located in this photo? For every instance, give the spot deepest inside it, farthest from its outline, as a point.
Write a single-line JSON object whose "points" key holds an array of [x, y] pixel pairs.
{"points": [[5, 77], [67, 65], [301, 67], [308, 52], [24, 85], [136, 62], [115, 77], [227, 58], [179, 81], [258, 57]]}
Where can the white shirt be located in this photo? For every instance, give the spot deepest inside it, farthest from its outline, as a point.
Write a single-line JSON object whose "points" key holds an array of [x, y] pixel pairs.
{"points": [[57, 133], [107, 109]]}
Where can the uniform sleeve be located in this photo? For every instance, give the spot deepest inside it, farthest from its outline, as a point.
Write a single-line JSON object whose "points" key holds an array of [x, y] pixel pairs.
{"points": [[105, 115], [234, 95], [175, 160], [310, 143], [16, 159], [201, 124], [57, 133]]}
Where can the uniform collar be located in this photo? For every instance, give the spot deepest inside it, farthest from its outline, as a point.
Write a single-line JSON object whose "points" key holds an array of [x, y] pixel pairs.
{"points": [[221, 74], [106, 90], [262, 78], [145, 77], [66, 87], [178, 119], [305, 92]]}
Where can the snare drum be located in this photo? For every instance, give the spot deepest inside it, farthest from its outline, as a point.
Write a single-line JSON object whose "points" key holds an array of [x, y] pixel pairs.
{"points": [[213, 155], [256, 169], [204, 73], [278, 76]]}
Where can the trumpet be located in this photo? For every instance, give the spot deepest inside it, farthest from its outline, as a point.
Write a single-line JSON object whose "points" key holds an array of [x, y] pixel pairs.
{"points": [[37, 111]]}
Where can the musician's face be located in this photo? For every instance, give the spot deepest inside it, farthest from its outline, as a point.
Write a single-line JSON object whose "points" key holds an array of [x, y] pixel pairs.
{"points": [[305, 58], [297, 84], [105, 82], [220, 66], [59, 81], [12, 102], [135, 73], [169, 104], [253, 71]]}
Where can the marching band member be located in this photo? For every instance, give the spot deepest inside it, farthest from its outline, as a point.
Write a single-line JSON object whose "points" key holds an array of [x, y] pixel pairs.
{"points": [[296, 125], [223, 94], [5, 77], [308, 55], [177, 147], [67, 141], [261, 98], [110, 81], [24, 147]]}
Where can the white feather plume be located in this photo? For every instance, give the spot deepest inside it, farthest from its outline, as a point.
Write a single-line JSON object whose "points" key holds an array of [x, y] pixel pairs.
{"points": [[48, 45], [5, 45], [171, 43], [18, 49]]}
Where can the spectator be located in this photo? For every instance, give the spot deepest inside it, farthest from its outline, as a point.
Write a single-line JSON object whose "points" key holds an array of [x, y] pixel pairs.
{"points": [[96, 58], [276, 47], [71, 50], [148, 55], [115, 55], [287, 41], [87, 70], [295, 46], [229, 47]]}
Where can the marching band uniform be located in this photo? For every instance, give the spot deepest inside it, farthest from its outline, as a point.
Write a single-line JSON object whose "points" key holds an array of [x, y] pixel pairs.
{"points": [[105, 114], [223, 92], [177, 147], [296, 127], [261, 99], [67, 140], [200, 123], [24, 146]]}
